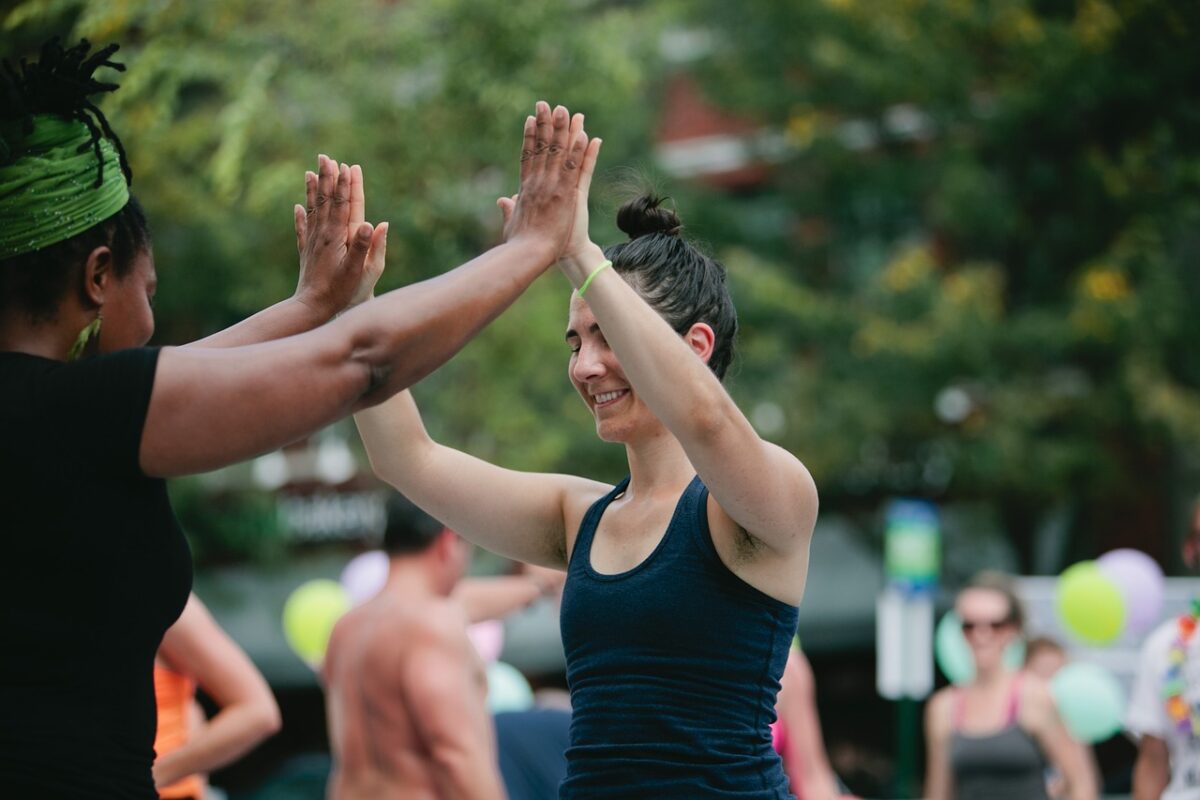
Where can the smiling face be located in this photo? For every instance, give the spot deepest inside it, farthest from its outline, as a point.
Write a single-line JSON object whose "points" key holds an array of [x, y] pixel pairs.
{"points": [[596, 374], [988, 624]]}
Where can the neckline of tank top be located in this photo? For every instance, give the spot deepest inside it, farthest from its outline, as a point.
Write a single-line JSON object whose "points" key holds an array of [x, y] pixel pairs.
{"points": [[662, 540], [1012, 717]]}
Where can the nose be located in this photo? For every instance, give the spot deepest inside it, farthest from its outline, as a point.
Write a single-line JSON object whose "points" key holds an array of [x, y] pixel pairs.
{"points": [[589, 364]]}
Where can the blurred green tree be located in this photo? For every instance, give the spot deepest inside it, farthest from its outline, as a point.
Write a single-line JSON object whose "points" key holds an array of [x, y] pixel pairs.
{"points": [[981, 278]]}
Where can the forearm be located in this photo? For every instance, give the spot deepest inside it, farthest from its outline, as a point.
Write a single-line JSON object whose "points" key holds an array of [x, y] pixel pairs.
{"points": [[285, 318], [1150, 778], [437, 317], [393, 434], [495, 598], [234, 731]]}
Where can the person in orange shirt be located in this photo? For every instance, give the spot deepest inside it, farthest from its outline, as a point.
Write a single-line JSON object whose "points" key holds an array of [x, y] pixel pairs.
{"points": [[196, 652]]}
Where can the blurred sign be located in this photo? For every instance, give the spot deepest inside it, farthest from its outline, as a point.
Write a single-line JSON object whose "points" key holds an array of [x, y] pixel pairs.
{"points": [[332, 516], [904, 610], [912, 545], [904, 644]]}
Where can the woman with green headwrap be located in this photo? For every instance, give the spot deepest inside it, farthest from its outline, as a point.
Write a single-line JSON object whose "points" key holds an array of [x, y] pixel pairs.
{"points": [[93, 566]]}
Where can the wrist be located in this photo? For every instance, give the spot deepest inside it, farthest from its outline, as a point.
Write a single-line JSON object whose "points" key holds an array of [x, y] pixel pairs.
{"points": [[581, 263], [319, 309], [537, 249]]}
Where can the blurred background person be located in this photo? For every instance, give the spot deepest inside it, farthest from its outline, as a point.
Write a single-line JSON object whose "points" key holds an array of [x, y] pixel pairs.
{"points": [[797, 733], [1166, 692], [1044, 657], [992, 738], [405, 690], [195, 652]]}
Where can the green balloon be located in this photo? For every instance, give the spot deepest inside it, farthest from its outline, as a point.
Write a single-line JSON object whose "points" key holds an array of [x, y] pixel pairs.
{"points": [[1090, 603], [309, 616], [953, 654], [1090, 701]]}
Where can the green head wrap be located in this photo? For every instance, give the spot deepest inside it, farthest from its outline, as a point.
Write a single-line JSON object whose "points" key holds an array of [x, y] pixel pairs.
{"points": [[48, 184]]}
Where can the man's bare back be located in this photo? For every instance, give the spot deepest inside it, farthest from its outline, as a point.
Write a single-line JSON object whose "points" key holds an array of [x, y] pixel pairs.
{"points": [[405, 695]]}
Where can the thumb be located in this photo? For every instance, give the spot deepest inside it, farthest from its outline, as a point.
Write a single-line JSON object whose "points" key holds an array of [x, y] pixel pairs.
{"points": [[301, 221], [360, 245]]}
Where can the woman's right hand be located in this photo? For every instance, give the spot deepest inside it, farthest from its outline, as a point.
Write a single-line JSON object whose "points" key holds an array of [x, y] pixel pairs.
{"points": [[557, 159]]}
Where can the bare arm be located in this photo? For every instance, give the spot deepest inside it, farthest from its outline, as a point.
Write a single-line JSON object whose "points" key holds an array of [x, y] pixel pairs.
{"points": [[196, 646], [938, 783], [1062, 751], [807, 762], [761, 487], [1152, 770], [444, 691], [519, 515], [331, 277], [495, 598], [212, 407]]}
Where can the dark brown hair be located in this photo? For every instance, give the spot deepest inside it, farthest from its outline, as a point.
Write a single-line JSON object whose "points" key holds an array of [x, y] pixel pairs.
{"points": [[682, 284]]}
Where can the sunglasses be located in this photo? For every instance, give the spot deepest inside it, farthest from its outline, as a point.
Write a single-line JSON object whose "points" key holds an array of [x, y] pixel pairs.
{"points": [[969, 626]]}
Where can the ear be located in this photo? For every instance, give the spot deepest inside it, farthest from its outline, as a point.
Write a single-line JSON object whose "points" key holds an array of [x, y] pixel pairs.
{"points": [[701, 339], [97, 274]]}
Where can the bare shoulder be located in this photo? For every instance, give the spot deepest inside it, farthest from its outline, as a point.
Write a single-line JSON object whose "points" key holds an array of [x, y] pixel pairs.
{"points": [[579, 494], [938, 712], [1037, 702]]}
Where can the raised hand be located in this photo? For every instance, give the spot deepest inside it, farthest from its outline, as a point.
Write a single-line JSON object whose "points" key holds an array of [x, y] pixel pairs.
{"points": [[341, 255], [555, 153]]}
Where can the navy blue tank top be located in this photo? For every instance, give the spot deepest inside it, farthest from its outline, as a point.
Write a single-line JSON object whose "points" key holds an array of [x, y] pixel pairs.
{"points": [[673, 666]]}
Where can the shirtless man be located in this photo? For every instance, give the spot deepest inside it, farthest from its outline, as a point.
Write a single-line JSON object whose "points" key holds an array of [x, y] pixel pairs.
{"points": [[405, 690]]}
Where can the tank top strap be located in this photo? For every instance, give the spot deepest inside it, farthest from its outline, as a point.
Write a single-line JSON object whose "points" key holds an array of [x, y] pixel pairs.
{"points": [[1014, 700], [591, 521], [958, 708]]}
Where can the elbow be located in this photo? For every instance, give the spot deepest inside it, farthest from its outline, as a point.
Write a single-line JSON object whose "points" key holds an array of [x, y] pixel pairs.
{"points": [[266, 719]]}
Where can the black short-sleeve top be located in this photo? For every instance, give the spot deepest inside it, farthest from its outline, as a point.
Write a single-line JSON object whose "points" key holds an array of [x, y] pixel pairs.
{"points": [[93, 569]]}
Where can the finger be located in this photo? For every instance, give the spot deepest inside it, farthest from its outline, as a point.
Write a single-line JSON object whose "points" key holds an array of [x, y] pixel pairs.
{"points": [[326, 181], [558, 144], [358, 199], [301, 218], [310, 191], [507, 204], [528, 143], [377, 254], [341, 197], [588, 165], [356, 255], [576, 127], [544, 128], [574, 159]]}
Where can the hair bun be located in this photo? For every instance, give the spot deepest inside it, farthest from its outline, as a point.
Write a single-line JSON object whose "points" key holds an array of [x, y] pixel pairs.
{"points": [[645, 215]]}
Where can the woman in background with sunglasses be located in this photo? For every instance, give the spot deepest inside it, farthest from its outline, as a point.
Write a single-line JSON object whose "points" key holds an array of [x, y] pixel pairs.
{"points": [[994, 737]]}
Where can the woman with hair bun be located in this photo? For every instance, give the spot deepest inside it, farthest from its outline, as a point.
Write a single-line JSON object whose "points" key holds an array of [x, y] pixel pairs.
{"points": [[683, 580]]}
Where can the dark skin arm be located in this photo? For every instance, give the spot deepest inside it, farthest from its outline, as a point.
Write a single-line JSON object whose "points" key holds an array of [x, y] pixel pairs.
{"points": [[212, 407]]}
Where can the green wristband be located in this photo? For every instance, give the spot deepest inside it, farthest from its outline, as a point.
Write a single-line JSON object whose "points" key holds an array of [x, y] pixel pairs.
{"points": [[603, 266]]}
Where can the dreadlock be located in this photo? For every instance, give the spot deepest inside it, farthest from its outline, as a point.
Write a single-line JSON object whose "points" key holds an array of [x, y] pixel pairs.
{"points": [[60, 83]]}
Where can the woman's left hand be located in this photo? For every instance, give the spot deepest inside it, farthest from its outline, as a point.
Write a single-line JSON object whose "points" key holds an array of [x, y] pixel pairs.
{"points": [[330, 232]]}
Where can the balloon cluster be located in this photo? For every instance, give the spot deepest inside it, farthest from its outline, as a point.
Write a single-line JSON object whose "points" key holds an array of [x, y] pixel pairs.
{"points": [[314, 607], [1122, 591], [1098, 601]]}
